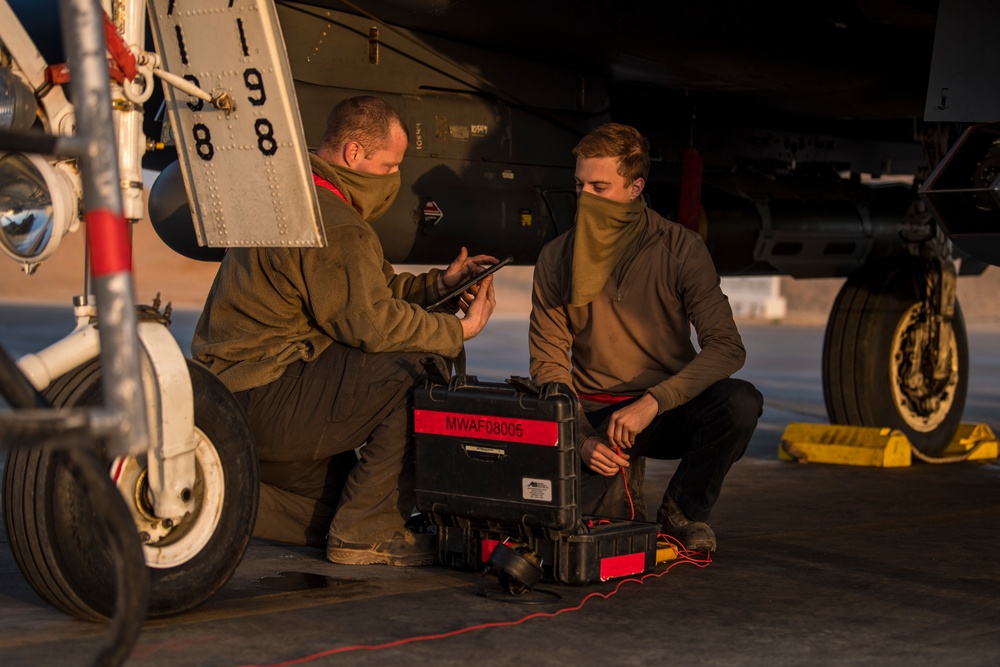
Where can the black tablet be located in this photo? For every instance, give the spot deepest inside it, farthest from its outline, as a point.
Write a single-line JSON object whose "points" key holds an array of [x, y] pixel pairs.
{"points": [[470, 282]]}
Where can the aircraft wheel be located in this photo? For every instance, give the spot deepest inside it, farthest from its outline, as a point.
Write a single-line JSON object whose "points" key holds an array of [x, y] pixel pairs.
{"points": [[51, 524], [873, 335]]}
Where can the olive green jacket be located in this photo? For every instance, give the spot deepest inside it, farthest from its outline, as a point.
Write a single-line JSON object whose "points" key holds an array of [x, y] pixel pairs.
{"points": [[635, 336], [269, 307]]}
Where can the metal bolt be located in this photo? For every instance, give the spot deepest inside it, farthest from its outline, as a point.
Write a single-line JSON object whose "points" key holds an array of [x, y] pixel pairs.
{"points": [[144, 537]]}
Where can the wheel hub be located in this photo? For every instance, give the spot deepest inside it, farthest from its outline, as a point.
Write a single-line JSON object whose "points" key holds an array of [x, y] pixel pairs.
{"points": [[923, 399], [168, 543]]}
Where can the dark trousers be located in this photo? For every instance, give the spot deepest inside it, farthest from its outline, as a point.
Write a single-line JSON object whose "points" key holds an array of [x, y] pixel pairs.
{"points": [[708, 434], [308, 424]]}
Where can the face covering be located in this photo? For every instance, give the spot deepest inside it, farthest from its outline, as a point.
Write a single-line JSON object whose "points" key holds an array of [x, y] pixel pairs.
{"points": [[370, 194], [605, 230]]}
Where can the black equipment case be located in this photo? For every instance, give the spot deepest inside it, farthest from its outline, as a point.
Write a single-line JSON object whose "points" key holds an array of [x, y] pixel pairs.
{"points": [[497, 462]]}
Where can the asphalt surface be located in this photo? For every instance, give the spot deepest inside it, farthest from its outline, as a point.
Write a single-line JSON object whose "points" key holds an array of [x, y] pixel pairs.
{"points": [[817, 564]]}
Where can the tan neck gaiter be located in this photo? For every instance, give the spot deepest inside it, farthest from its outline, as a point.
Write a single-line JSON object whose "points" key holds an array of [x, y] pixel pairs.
{"points": [[605, 230]]}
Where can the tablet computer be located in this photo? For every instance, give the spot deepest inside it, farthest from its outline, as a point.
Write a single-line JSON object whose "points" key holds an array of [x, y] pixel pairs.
{"points": [[466, 284]]}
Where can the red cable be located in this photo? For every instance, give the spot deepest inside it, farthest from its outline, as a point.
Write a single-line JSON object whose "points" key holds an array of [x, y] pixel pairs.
{"points": [[628, 495], [700, 559], [483, 626]]}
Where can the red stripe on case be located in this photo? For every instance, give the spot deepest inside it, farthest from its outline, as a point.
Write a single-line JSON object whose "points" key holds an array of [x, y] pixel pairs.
{"points": [[622, 566], [486, 427]]}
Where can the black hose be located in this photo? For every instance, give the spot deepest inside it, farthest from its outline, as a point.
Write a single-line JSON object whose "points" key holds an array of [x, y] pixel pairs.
{"points": [[15, 387]]}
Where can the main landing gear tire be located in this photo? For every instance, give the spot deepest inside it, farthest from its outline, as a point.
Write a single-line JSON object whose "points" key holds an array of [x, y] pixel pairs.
{"points": [[871, 336], [52, 525]]}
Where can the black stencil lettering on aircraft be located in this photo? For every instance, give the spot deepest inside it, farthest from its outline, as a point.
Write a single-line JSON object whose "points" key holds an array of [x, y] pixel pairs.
{"points": [[254, 82], [265, 137], [198, 104], [243, 37], [180, 44], [203, 142]]}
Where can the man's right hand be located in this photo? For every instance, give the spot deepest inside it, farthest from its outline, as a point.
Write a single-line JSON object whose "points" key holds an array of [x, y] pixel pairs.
{"points": [[600, 458], [478, 312], [463, 267]]}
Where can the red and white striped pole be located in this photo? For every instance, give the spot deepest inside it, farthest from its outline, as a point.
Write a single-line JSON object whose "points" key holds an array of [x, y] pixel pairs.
{"points": [[107, 230]]}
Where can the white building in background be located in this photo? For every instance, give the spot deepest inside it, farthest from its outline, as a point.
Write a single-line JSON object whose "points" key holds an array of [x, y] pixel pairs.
{"points": [[757, 297]]}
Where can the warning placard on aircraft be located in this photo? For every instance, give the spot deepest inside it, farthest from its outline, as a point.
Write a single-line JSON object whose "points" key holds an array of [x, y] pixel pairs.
{"points": [[244, 157], [432, 213]]}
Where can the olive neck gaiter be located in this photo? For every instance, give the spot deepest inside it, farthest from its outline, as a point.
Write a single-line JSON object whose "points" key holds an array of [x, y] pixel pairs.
{"points": [[605, 231], [370, 194]]}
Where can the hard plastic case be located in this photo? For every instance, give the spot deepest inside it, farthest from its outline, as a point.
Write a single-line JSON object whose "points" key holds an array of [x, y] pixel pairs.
{"points": [[498, 452], [597, 550], [498, 461]]}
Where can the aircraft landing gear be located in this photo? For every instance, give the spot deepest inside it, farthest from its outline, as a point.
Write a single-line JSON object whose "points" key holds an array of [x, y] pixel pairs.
{"points": [[894, 356], [53, 527]]}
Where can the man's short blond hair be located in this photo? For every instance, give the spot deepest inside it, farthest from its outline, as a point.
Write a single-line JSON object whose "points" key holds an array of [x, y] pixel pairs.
{"points": [[622, 142]]}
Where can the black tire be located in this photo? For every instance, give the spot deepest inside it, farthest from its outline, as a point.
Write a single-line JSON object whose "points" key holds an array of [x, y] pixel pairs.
{"points": [[132, 577], [870, 327], [50, 523]]}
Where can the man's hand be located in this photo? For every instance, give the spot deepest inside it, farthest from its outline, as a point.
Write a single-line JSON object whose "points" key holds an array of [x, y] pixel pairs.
{"points": [[478, 302], [600, 458], [478, 310], [461, 268], [627, 423]]}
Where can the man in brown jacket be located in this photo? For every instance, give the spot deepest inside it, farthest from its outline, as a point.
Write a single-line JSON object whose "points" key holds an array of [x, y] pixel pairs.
{"points": [[323, 347], [613, 303]]}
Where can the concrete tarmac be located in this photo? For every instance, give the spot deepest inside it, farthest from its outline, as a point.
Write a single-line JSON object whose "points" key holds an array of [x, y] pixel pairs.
{"points": [[817, 564]]}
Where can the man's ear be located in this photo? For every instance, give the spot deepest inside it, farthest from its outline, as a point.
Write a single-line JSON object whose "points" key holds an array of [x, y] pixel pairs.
{"points": [[353, 154], [635, 189]]}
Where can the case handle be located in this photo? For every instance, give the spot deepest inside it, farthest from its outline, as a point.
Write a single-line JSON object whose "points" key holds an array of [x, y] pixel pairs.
{"points": [[525, 384]]}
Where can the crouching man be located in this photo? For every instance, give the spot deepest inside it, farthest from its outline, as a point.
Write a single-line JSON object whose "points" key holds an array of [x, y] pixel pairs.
{"points": [[613, 303], [323, 346]]}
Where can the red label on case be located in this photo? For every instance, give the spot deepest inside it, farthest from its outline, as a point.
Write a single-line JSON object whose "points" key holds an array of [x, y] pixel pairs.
{"points": [[486, 427], [622, 566]]}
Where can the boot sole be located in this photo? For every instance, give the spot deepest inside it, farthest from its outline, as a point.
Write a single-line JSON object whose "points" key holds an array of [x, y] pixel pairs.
{"points": [[343, 556]]}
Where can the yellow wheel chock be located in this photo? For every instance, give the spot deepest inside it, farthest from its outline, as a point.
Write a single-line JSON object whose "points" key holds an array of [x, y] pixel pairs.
{"points": [[878, 447]]}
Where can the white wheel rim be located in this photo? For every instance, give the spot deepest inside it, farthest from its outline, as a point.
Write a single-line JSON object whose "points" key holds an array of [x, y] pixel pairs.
{"points": [[918, 420], [186, 540]]}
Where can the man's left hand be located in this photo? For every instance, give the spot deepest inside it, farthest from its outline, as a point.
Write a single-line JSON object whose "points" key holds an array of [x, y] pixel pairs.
{"points": [[464, 267], [627, 423]]}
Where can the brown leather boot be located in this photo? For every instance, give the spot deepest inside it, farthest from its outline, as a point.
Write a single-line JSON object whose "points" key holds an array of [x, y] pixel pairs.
{"points": [[694, 535]]}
